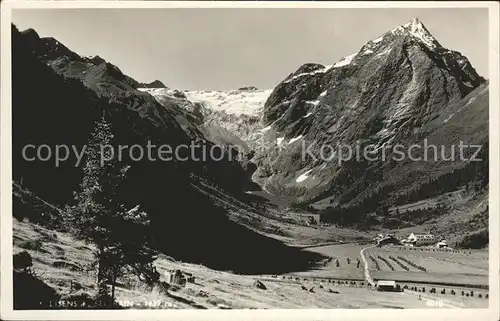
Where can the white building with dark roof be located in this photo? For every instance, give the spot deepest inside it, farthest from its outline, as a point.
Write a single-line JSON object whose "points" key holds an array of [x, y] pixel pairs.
{"points": [[442, 244], [421, 239], [386, 285]]}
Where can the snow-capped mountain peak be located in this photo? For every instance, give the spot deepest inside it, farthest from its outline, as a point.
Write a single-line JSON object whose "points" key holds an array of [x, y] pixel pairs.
{"points": [[419, 31], [399, 82], [416, 29]]}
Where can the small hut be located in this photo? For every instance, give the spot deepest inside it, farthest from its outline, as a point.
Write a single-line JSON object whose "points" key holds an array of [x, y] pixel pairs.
{"points": [[388, 286]]}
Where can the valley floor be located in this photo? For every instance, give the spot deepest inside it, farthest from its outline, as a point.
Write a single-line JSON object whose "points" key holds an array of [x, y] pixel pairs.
{"points": [[62, 262]]}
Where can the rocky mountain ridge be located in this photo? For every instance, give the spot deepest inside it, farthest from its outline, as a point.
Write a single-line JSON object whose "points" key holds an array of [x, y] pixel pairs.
{"points": [[109, 83], [389, 92], [57, 98]]}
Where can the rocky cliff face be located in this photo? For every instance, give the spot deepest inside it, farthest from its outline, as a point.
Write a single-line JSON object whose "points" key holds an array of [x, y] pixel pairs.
{"points": [[388, 92]]}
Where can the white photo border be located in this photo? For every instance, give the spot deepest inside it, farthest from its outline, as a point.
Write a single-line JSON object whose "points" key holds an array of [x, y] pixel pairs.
{"points": [[6, 293]]}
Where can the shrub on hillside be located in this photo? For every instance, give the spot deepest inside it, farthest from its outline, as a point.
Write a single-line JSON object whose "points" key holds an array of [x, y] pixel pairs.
{"points": [[474, 241], [22, 261], [303, 207], [34, 245]]}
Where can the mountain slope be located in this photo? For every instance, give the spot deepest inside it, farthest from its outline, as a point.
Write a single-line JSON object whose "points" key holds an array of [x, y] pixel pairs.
{"points": [[109, 83], [397, 89], [58, 103]]}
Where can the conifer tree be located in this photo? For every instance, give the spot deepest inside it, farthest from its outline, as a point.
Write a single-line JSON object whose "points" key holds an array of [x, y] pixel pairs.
{"points": [[99, 217]]}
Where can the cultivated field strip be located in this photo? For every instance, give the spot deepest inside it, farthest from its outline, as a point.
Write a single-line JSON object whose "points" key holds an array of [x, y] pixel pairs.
{"points": [[401, 265], [410, 263], [437, 262], [375, 262], [387, 263], [464, 268]]}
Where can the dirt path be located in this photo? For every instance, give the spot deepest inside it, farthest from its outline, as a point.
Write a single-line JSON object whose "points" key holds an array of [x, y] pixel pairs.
{"points": [[365, 263], [318, 245]]}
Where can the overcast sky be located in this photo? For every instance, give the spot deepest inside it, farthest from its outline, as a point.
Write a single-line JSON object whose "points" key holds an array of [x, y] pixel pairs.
{"points": [[224, 49]]}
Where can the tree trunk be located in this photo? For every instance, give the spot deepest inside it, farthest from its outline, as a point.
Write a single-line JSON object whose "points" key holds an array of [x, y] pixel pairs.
{"points": [[113, 286], [101, 273]]}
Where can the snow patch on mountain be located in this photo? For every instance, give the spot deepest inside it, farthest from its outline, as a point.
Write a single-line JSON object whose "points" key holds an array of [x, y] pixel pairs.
{"points": [[237, 111], [397, 30], [265, 129], [164, 95], [295, 139], [313, 102], [303, 177], [385, 52], [157, 92], [345, 61], [236, 102], [318, 71]]}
